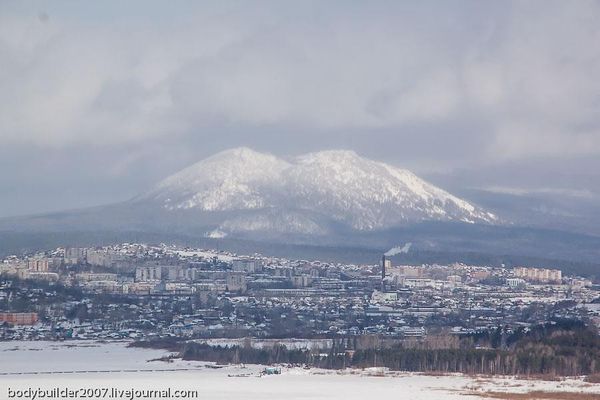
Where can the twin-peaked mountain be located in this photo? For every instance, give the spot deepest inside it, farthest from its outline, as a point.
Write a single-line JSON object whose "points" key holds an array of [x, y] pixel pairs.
{"points": [[308, 195], [332, 205]]}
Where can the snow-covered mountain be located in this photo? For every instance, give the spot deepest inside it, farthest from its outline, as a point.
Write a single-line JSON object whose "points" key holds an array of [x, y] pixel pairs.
{"points": [[236, 179], [330, 205], [252, 191]]}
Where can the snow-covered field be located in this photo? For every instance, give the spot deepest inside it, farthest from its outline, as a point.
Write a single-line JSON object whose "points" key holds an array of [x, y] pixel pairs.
{"points": [[91, 364]]}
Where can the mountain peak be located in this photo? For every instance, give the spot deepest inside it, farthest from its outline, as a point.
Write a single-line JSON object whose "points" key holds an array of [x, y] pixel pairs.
{"points": [[226, 180], [338, 185], [241, 152]]}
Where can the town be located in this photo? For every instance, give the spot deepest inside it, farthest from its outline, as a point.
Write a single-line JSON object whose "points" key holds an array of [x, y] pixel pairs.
{"points": [[148, 292]]}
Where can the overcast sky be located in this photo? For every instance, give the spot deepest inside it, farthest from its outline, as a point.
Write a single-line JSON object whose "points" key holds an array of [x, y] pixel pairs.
{"points": [[98, 100]]}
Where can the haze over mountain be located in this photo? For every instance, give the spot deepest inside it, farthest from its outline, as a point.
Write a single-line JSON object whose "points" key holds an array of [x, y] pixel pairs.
{"points": [[98, 103], [493, 107]]}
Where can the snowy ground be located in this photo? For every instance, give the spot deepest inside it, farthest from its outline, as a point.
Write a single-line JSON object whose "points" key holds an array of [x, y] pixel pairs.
{"points": [[91, 364]]}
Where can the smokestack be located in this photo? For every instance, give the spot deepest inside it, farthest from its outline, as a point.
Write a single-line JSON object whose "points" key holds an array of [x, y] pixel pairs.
{"points": [[383, 267]]}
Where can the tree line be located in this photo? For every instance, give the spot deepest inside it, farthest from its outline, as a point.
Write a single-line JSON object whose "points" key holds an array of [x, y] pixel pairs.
{"points": [[566, 348]]}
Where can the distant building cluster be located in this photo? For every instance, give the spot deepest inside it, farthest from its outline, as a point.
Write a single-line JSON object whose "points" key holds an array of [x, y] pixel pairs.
{"points": [[542, 275], [144, 291]]}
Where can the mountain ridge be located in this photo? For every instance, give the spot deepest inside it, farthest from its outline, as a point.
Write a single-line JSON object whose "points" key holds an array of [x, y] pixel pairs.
{"points": [[321, 199], [361, 193]]}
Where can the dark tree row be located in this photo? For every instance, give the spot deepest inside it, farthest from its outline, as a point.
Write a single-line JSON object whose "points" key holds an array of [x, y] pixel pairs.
{"points": [[563, 349]]}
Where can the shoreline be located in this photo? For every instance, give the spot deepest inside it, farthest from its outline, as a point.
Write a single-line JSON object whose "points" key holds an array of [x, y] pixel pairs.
{"points": [[99, 364], [174, 356]]}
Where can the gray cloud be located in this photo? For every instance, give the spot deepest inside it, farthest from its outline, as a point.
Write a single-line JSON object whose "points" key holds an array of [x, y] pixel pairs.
{"points": [[145, 89]]}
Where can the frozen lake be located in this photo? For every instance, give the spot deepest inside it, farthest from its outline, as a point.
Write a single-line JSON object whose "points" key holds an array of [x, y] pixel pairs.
{"points": [[90, 364]]}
